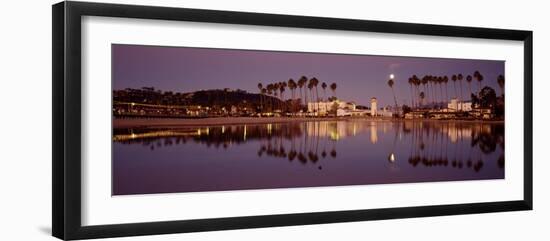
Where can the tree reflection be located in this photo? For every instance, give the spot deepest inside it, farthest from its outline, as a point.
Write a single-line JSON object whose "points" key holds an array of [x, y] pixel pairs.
{"points": [[460, 145], [431, 141]]}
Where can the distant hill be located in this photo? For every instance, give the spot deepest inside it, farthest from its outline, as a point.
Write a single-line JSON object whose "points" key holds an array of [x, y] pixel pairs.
{"points": [[222, 98]]}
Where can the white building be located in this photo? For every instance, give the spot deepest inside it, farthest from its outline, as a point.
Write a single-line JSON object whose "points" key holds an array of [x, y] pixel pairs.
{"points": [[342, 112], [322, 108], [385, 112], [455, 105]]}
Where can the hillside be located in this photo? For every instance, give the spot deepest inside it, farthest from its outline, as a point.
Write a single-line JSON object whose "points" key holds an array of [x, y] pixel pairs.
{"points": [[220, 98]]}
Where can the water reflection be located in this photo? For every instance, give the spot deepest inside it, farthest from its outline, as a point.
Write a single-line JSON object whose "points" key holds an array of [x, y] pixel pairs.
{"points": [[431, 144], [444, 144], [304, 154]]}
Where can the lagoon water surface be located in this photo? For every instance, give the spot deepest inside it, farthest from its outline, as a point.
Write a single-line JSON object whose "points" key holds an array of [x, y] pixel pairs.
{"points": [[304, 154]]}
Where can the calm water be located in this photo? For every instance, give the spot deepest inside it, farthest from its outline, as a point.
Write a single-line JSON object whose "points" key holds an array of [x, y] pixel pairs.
{"points": [[304, 154]]}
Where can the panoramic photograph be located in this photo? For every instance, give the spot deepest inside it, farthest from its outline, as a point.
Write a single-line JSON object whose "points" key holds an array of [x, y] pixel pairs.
{"points": [[188, 119]]}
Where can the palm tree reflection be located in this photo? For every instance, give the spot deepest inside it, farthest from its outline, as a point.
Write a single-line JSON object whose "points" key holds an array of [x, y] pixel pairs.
{"points": [[433, 144], [430, 144]]}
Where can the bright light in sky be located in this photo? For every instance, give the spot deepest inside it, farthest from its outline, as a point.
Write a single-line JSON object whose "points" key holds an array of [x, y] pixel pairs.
{"points": [[391, 76]]}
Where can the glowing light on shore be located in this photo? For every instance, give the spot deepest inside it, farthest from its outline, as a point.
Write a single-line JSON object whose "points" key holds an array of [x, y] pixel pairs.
{"points": [[392, 76], [125, 137]]}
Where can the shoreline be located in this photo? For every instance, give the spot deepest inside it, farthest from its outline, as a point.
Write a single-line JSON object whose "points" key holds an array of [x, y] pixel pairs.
{"points": [[151, 123]]}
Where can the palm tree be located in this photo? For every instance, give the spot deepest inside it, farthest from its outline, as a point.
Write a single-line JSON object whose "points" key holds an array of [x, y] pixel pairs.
{"points": [[433, 83], [314, 81], [264, 91], [276, 94], [324, 86], [422, 95], [260, 87], [390, 84], [416, 84], [266, 95], [305, 91], [424, 83], [282, 87], [445, 81], [411, 81], [454, 78], [274, 89], [429, 94], [269, 93], [437, 95], [432, 80], [310, 87], [479, 78], [292, 87], [469, 80], [333, 88], [440, 83], [301, 83], [460, 77], [500, 80]]}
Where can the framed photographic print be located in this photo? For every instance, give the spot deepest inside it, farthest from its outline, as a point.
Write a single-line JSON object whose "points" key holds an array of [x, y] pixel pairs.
{"points": [[170, 120]]}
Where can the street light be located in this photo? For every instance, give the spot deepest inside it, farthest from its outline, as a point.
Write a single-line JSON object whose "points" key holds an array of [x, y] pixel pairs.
{"points": [[390, 83]]}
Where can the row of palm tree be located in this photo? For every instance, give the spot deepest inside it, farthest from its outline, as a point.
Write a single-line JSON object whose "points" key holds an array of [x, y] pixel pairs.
{"points": [[435, 88], [293, 105]]}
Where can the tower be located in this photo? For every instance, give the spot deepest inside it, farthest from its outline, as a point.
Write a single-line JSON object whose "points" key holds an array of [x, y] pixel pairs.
{"points": [[373, 106]]}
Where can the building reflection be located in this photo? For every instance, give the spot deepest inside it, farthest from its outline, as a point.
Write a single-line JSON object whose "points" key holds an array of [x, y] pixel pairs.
{"points": [[441, 144], [459, 145], [373, 133]]}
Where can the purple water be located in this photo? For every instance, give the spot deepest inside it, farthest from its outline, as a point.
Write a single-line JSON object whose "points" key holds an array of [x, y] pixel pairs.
{"points": [[304, 154]]}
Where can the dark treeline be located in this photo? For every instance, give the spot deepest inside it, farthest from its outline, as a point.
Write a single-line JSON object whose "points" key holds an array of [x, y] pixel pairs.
{"points": [[214, 98]]}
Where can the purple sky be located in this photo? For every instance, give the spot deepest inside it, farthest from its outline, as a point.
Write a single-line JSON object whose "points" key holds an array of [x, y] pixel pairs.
{"points": [[359, 77]]}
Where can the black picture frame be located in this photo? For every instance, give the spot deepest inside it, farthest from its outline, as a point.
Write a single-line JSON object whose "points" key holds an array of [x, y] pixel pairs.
{"points": [[66, 164]]}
